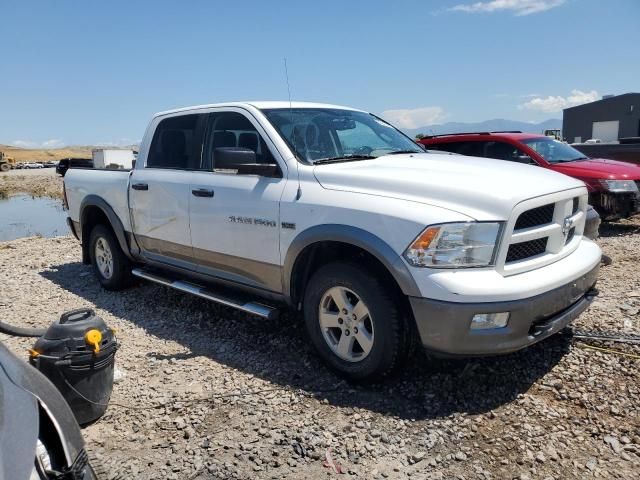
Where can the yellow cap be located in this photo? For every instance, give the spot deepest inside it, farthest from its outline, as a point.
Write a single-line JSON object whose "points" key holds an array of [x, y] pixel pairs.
{"points": [[93, 337]]}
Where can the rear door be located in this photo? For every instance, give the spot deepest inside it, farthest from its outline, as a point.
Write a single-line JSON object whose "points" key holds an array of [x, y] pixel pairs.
{"points": [[159, 192], [235, 227]]}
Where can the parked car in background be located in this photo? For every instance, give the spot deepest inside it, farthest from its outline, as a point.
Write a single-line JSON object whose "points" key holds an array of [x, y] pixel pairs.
{"points": [[613, 185], [66, 163], [32, 165]]}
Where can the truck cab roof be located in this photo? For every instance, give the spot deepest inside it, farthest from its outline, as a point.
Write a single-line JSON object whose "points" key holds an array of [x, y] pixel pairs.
{"points": [[261, 105]]}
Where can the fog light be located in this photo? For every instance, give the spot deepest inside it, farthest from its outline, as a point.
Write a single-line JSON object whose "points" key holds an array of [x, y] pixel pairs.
{"points": [[484, 321]]}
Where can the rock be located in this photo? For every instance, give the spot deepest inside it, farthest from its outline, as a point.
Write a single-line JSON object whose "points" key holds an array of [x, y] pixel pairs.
{"points": [[460, 456], [179, 423], [418, 457], [613, 443]]}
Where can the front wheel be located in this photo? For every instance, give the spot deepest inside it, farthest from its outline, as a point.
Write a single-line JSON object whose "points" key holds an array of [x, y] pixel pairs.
{"points": [[354, 322], [111, 265]]}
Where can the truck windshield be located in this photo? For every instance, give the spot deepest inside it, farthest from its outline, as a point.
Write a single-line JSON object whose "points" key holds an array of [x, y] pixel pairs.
{"points": [[554, 151], [322, 135]]}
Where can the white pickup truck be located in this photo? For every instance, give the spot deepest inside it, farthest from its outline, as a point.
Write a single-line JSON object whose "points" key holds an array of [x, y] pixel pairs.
{"points": [[335, 214]]}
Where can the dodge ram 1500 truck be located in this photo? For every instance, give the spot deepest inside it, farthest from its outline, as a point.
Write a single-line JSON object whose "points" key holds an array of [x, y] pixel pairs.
{"points": [[337, 215]]}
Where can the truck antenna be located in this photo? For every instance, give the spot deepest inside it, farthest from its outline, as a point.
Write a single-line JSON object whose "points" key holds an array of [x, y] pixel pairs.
{"points": [[293, 133]]}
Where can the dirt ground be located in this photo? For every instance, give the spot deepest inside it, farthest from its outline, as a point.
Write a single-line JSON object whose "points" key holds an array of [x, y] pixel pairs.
{"points": [[45, 155], [209, 393], [41, 182]]}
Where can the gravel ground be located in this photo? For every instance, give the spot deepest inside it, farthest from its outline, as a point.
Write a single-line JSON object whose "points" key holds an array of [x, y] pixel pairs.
{"points": [[209, 393], [41, 182]]}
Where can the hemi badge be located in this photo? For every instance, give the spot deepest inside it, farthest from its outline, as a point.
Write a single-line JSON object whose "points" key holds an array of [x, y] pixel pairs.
{"points": [[289, 225]]}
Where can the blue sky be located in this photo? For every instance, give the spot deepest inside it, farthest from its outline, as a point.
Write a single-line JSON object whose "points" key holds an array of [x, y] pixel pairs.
{"points": [[87, 72]]}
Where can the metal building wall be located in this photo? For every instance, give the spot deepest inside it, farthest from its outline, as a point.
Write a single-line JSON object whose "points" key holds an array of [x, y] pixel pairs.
{"points": [[578, 121]]}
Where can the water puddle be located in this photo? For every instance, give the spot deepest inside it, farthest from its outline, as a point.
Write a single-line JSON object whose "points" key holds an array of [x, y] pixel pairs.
{"points": [[24, 216]]}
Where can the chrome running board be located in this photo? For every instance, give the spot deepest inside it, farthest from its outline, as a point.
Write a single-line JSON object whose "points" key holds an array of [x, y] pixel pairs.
{"points": [[264, 311]]}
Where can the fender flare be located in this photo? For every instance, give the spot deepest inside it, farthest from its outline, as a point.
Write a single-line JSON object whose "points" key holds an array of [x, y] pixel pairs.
{"points": [[115, 223], [353, 236]]}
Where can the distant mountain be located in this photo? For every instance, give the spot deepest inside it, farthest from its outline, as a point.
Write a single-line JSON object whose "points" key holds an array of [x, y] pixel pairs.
{"points": [[486, 126]]}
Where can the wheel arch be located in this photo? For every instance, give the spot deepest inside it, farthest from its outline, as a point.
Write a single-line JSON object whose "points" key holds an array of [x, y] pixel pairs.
{"points": [[94, 210], [299, 260]]}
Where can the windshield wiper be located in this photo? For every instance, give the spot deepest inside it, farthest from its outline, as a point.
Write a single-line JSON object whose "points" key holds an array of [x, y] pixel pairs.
{"points": [[572, 160], [398, 152], [343, 158]]}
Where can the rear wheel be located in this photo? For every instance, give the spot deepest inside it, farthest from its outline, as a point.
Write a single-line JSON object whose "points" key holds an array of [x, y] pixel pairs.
{"points": [[5, 167], [354, 322], [112, 266]]}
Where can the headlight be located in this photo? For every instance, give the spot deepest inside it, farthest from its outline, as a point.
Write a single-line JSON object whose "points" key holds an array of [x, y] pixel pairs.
{"points": [[451, 245], [619, 185]]}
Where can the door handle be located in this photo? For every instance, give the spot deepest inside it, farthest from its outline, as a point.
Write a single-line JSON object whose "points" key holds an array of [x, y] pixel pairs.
{"points": [[202, 192], [140, 186]]}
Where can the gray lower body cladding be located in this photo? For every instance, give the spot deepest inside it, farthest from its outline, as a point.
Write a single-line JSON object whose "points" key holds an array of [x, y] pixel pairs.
{"points": [[445, 326]]}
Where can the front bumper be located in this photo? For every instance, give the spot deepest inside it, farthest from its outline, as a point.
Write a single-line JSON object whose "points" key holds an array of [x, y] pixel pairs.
{"points": [[612, 206], [444, 327]]}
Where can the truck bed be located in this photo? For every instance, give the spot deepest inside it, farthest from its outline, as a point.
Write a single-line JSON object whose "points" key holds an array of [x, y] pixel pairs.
{"points": [[110, 185]]}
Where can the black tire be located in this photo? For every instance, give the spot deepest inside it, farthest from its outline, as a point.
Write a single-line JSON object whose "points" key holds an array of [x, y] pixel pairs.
{"points": [[5, 167], [121, 274], [391, 340]]}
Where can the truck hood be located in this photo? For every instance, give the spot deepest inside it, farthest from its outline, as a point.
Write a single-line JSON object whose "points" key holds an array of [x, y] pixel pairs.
{"points": [[599, 168], [480, 188]]}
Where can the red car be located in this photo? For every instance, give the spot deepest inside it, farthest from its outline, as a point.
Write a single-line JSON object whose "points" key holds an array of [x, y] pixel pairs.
{"points": [[613, 185]]}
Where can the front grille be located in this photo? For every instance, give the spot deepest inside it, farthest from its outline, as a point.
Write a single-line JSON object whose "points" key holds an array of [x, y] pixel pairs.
{"points": [[535, 217], [524, 250]]}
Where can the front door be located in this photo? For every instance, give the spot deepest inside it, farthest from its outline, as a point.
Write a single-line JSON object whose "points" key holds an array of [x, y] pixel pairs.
{"points": [[235, 226], [160, 193]]}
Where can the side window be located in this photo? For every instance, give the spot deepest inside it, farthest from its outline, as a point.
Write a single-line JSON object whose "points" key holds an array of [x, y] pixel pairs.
{"points": [[504, 151], [233, 130], [177, 143], [445, 147], [470, 149]]}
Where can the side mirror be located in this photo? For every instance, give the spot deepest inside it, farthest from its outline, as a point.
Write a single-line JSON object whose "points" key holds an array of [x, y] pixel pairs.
{"points": [[243, 160], [229, 158]]}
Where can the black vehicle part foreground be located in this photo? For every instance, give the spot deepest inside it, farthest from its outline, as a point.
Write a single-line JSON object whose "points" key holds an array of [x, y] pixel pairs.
{"points": [[34, 411]]}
